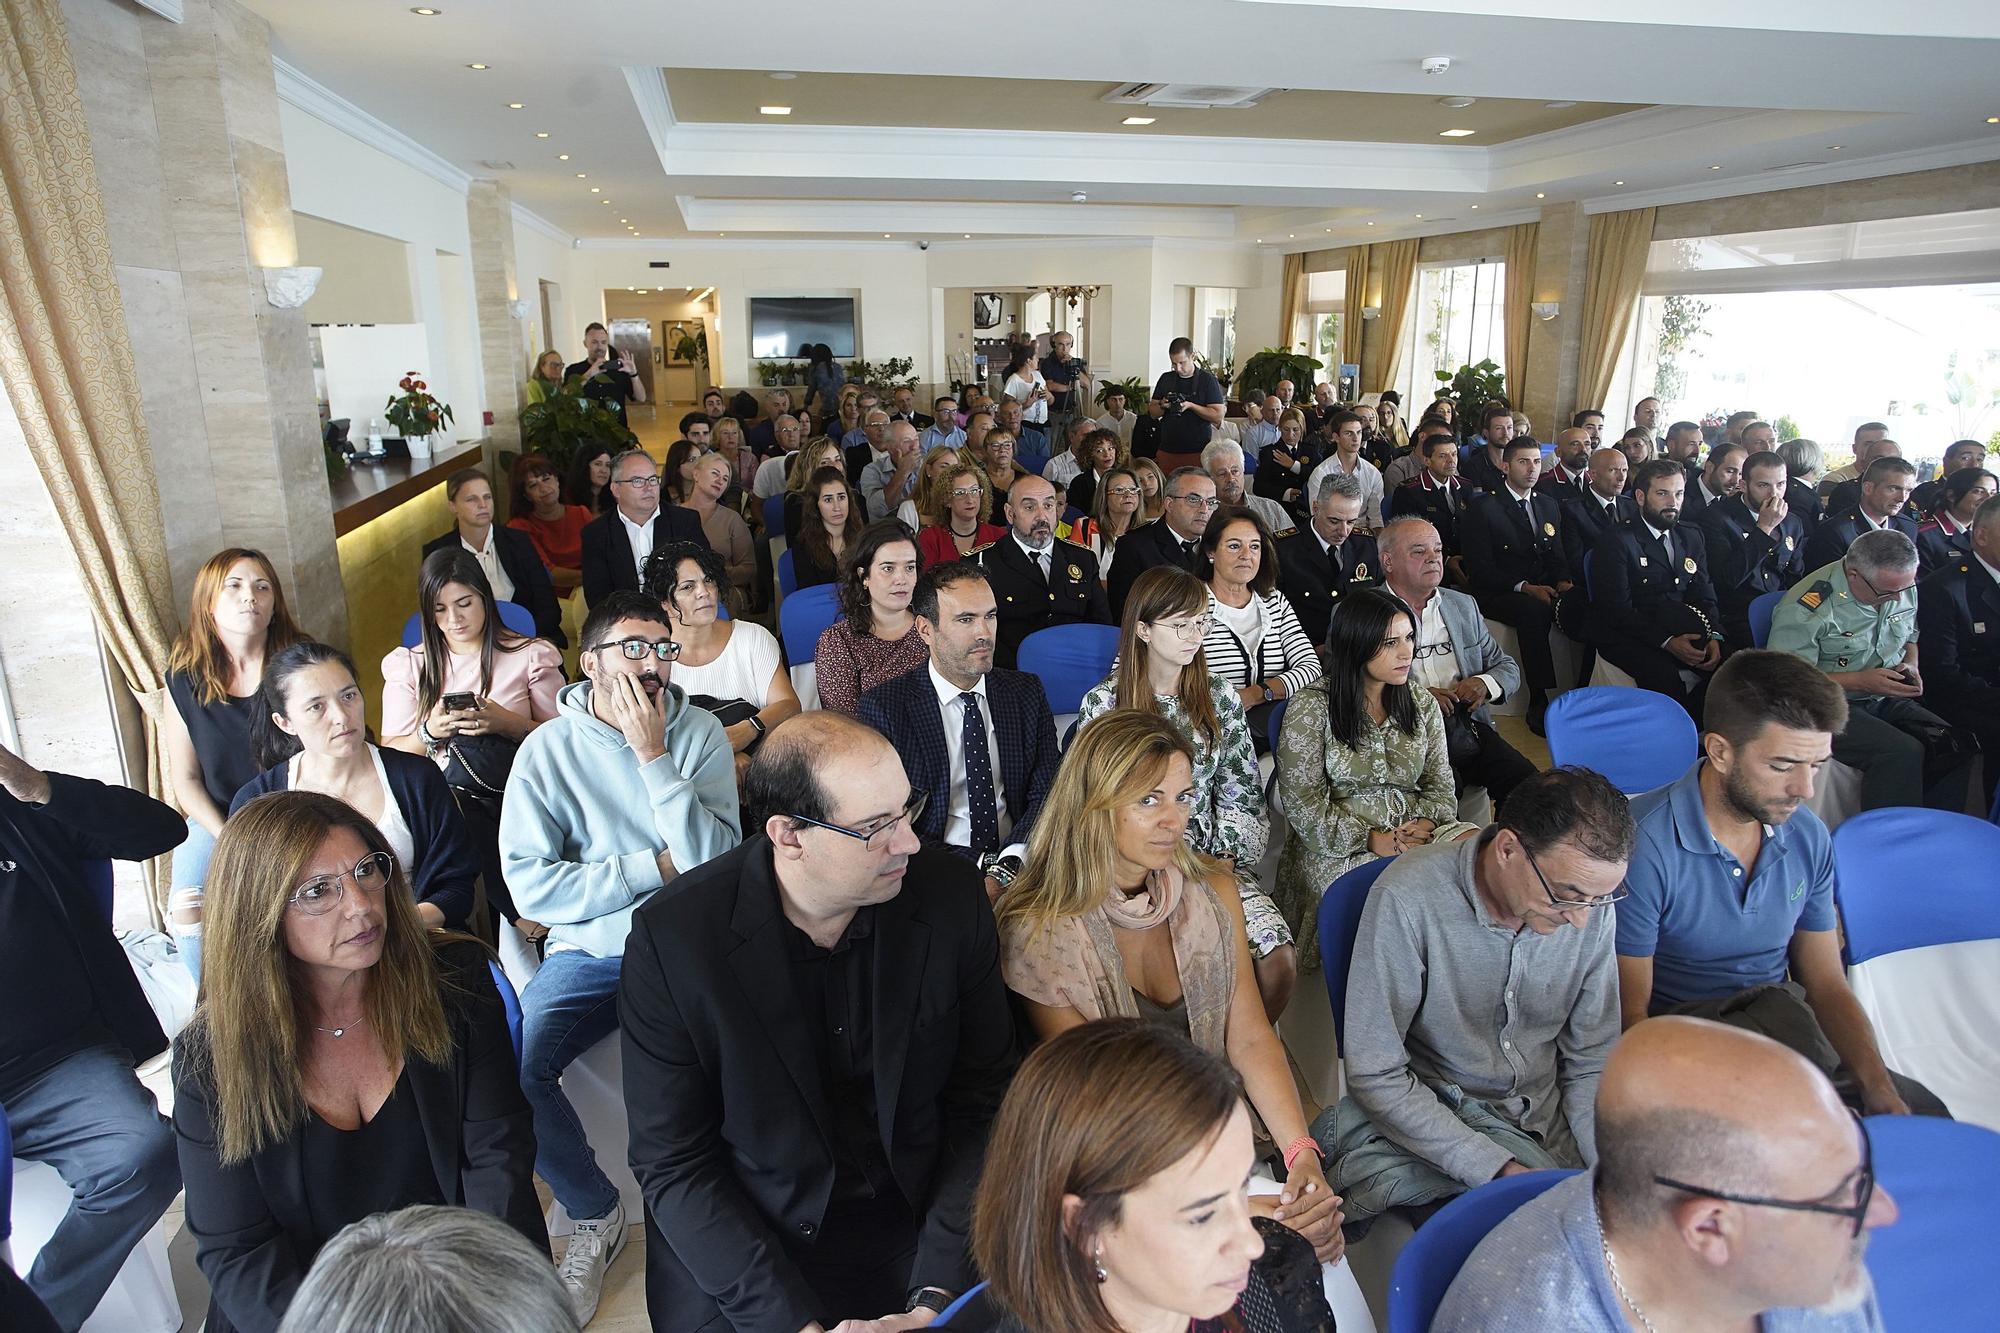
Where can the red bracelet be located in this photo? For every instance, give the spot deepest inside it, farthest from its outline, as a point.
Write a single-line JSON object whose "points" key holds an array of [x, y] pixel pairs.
{"points": [[1299, 1145]]}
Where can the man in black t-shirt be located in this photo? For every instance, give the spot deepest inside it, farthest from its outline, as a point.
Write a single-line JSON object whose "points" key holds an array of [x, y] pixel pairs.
{"points": [[1069, 381], [1194, 404], [611, 378]]}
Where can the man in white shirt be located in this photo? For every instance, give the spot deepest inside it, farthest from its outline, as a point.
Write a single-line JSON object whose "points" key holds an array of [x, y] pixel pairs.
{"points": [[1223, 461], [1346, 461], [1116, 418], [770, 478], [1263, 430], [892, 478], [616, 545], [1074, 458]]}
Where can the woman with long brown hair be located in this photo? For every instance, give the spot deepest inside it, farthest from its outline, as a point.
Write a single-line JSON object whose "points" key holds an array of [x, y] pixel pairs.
{"points": [[822, 543], [801, 476], [922, 510], [237, 621], [876, 636], [341, 1061], [676, 473]]}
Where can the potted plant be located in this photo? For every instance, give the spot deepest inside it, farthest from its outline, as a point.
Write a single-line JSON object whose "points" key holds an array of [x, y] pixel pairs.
{"points": [[1136, 392], [1261, 373], [1470, 388], [767, 373], [416, 415], [566, 420], [693, 347]]}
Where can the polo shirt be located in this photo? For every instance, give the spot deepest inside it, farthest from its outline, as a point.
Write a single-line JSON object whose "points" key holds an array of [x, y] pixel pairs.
{"points": [[1710, 929]]}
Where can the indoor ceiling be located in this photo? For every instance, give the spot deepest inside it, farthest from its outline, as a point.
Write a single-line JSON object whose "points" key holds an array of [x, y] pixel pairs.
{"points": [[904, 122]]}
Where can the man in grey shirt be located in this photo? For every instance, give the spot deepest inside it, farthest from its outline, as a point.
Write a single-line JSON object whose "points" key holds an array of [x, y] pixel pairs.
{"points": [[1515, 925], [1733, 1190]]}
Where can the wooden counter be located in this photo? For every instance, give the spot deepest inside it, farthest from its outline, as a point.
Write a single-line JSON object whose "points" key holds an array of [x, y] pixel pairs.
{"points": [[372, 490]]}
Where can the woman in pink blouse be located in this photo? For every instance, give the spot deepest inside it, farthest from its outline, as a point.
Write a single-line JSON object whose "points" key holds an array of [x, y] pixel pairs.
{"points": [[876, 637]]}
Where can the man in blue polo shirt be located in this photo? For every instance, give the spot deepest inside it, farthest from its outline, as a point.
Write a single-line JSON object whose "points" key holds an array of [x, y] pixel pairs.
{"points": [[1731, 913]]}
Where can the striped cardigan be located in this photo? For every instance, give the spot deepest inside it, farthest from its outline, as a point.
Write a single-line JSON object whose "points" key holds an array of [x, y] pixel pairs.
{"points": [[1285, 652]]}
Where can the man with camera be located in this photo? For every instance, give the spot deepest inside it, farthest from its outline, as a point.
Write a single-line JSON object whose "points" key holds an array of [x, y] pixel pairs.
{"points": [[1069, 381], [611, 378], [1192, 403]]}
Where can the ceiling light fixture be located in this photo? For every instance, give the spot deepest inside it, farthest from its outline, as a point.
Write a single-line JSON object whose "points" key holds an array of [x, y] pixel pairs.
{"points": [[774, 111], [425, 11], [476, 65], [885, 235], [1475, 208], [1717, 167], [598, 189], [783, 76], [583, 175], [517, 106], [541, 134], [1993, 120], [1137, 120], [1072, 295], [1541, 196], [1291, 236], [1456, 134], [562, 157], [1558, 106], [624, 222], [967, 236], [1833, 148], [1420, 215], [1457, 103], [1618, 182]]}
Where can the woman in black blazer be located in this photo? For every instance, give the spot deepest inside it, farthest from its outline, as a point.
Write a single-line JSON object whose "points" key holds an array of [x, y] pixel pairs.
{"points": [[342, 1060]]}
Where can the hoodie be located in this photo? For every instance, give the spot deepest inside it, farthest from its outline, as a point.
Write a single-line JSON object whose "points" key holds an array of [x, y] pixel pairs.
{"points": [[583, 821]]}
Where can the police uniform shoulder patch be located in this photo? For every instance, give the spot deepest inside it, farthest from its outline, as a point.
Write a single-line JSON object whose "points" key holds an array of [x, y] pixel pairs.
{"points": [[1283, 533], [1812, 598], [980, 549]]}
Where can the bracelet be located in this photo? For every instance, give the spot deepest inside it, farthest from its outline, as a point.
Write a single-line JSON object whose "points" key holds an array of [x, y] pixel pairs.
{"points": [[1302, 1143]]}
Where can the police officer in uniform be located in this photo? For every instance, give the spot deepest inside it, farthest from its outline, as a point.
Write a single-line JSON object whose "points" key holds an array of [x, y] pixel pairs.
{"points": [[1037, 580], [1511, 540], [1884, 489], [1958, 614], [1327, 557], [1856, 620], [1652, 607], [1756, 544], [1437, 496]]}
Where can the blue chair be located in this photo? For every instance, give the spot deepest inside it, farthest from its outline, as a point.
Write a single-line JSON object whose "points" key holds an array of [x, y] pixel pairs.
{"points": [[512, 614], [1934, 1268], [1427, 1264], [1339, 922], [510, 1002], [1277, 724], [1069, 659], [788, 578], [6, 1190], [774, 515], [1638, 739], [1879, 913], [803, 618], [1760, 616], [945, 1315], [97, 879]]}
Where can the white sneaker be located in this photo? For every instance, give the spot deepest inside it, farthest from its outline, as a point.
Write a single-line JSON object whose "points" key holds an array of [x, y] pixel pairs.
{"points": [[591, 1250]]}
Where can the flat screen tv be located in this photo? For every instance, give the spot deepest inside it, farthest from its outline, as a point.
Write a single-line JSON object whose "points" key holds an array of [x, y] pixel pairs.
{"points": [[780, 325]]}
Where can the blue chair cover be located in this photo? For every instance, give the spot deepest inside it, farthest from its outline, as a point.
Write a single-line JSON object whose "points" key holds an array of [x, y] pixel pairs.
{"points": [[944, 1315], [512, 614], [1277, 724], [1339, 922], [774, 516], [510, 1002], [802, 618], [788, 579], [1428, 1263], [1638, 739], [1877, 853], [1760, 617], [97, 879], [1934, 1268], [1069, 659]]}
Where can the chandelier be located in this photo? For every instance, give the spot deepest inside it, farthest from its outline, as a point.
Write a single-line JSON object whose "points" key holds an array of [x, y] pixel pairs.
{"points": [[1071, 295]]}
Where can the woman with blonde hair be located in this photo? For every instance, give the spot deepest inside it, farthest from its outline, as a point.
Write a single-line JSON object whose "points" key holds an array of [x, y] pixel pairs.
{"points": [[801, 477], [961, 521], [1119, 508], [923, 509], [547, 381], [1152, 489], [342, 1061]]}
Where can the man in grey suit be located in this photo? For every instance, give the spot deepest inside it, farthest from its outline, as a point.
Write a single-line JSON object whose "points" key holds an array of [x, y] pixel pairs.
{"points": [[1457, 660]]}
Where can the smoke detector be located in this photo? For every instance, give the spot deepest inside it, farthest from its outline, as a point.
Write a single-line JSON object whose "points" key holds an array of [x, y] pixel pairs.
{"points": [[1434, 64], [1077, 196]]}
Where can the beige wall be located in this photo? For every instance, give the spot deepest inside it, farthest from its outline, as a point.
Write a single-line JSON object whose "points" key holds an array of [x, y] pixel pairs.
{"points": [[1914, 194], [366, 278]]}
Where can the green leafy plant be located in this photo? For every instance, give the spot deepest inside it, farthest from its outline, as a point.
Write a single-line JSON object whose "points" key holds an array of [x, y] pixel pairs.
{"points": [[1262, 372], [565, 421], [767, 372], [336, 461], [884, 376], [693, 347], [1470, 389], [1136, 392], [414, 412], [1787, 428]]}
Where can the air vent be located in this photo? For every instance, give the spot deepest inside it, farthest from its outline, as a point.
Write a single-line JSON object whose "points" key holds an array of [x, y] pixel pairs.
{"points": [[659, 263], [496, 166], [1188, 96]]}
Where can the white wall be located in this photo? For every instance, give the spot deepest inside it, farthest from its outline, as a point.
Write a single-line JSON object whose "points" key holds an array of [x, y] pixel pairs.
{"points": [[539, 258]]}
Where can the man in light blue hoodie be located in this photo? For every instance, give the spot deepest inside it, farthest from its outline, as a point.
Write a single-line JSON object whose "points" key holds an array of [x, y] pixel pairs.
{"points": [[626, 788]]}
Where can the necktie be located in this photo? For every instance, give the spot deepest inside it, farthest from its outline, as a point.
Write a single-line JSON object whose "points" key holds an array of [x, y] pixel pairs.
{"points": [[1187, 553], [1042, 564], [1667, 540], [979, 777], [1528, 512]]}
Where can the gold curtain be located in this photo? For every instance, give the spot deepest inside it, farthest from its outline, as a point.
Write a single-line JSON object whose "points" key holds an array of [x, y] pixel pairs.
{"points": [[1352, 299], [1291, 300], [1517, 309], [68, 362], [1399, 272], [1615, 266]]}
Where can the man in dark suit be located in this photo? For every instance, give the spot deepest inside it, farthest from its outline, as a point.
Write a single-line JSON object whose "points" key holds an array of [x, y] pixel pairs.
{"points": [[617, 543], [1569, 475], [1602, 506], [1957, 457], [1755, 544], [1174, 540], [1038, 580], [1683, 445], [1511, 540], [507, 555], [979, 740], [1437, 496], [1652, 607], [874, 444], [1721, 477], [1485, 468], [816, 1037], [1327, 557], [1885, 488], [1958, 626]]}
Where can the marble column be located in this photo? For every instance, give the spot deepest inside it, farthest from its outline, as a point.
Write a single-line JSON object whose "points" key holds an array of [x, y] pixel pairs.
{"points": [[489, 210], [1562, 246]]}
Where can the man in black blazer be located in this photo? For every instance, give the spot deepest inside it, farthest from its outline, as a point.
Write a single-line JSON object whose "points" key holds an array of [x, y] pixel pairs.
{"points": [[507, 555], [816, 1036], [1568, 475], [1438, 497], [1652, 606], [1721, 477], [1511, 542], [874, 444], [1175, 539], [1884, 489], [1958, 626], [1038, 580], [1603, 505], [616, 543], [979, 740], [1327, 557], [73, 1023], [1756, 545]]}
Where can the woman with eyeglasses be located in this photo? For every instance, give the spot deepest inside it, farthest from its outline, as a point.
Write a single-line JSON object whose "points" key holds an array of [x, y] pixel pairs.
{"points": [[1362, 764], [311, 737], [1119, 508], [343, 1059], [1161, 670], [962, 507], [876, 637], [1254, 640], [926, 508]]}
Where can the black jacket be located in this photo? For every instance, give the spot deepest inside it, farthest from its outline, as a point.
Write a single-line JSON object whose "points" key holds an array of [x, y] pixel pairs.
{"points": [[1745, 562], [1138, 551], [1309, 582], [1584, 520], [251, 1222], [1803, 501], [1958, 632], [532, 586], [730, 1130], [1632, 583], [1694, 502], [1502, 547], [607, 555], [1429, 502], [1073, 594], [1478, 472], [1839, 527]]}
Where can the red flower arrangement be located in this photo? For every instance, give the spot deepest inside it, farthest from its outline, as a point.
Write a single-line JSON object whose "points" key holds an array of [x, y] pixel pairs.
{"points": [[415, 413]]}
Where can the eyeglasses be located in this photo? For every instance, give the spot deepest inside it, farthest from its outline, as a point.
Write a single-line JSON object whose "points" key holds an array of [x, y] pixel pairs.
{"points": [[635, 650], [1571, 904], [1187, 629], [1122, 492], [1856, 1212], [913, 810], [1423, 650], [323, 893], [1200, 501], [643, 483], [967, 492], [1874, 591]]}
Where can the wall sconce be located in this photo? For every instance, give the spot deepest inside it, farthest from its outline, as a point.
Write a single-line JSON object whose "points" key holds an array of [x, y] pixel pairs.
{"points": [[290, 288], [518, 309], [1546, 310], [1371, 312]]}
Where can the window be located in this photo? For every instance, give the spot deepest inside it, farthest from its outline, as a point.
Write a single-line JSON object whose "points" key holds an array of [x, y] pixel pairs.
{"points": [[1214, 324], [1326, 307], [1457, 321]]}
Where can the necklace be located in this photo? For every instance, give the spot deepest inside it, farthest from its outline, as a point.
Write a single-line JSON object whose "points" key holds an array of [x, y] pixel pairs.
{"points": [[341, 1031], [1618, 1285], [965, 536]]}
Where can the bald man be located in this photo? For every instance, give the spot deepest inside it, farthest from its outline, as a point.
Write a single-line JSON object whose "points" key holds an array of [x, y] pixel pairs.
{"points": [[1569, 473], [1733, 1191]]}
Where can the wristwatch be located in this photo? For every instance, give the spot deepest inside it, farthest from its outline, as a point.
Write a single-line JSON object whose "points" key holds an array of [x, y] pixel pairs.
{"points": [[935, 1299], [1270, 695], [757, 725], [1003, 869]]}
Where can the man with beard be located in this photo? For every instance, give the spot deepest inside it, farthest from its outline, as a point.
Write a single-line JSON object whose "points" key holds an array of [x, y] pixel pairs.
{"points": [[608, 802], [1038, 580], [1732, 1191], [1756, 545], [1652, 608], [1569, 474], [1721, 478], [1731, 909], [1683, 445]]}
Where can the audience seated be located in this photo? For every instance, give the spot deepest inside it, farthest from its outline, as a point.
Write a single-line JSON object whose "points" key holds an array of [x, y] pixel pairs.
{"points": [[1871, 441], [1102, 451], [1027, 448], [1260, 427], [513, 568], [1071, 459], [1484, 467], [943, 431], [1959, 456], [1482, 1002], [1652, 607], [1803, 461], [1730, 913], [554, 527], [996, 457], [1756, 545], [1720, 477], [1173, 540], [237, 621], [66, 1077], [311, 737], [677, 473], [1118, 508], [955, 510], [801, 483], [891, 479], [728, 535], [617, 542], [1327, 557], [1510, 538], [1223, 461], [1285, 465], [1731, 1191], [1161, 669], [1254, 642], [1437, 495], [1405, 467], [1958, 615], [1884, 488], [876, 637], [816, 1038], [1856, 620], [1568, 475], [341, 1061], [820, 544], [1344, 459], [763, 436], [1601, 504], [770, 477], [581, 851], [1038, 579], [588, 481], [1683, 444], [1945, 534], [868, 444]]}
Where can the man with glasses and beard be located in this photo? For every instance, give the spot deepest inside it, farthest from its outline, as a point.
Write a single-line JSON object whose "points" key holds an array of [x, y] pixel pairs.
{"points": [[1731, 912], [1652, 607], [1732, 1191], [1482, 1003], [627, 788], [816, 1039]]}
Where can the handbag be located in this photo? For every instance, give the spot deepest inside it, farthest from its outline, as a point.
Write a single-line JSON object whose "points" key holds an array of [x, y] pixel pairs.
{"points": [[1461, 735], [727, 711], [476, 768]]}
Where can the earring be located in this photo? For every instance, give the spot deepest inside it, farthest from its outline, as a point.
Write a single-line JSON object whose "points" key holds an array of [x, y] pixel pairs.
{"points": [[1097, 1265]]}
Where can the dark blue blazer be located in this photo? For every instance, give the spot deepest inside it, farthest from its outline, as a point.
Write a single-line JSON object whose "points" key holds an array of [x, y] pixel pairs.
{"points": [[906, 710], [446, 864], [1838, 528], [607, 555]]}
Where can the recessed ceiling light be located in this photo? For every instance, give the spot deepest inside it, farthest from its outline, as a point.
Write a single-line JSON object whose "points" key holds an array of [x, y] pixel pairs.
{"points": [[1420, 215], [1291, 236], [967, 236], [517, 106], [774, 111], [631, 289], [722, 233], [596, 189], [1833, 148], [1475, 208], [1260, 240], [1456, 134], [562, 157], [783, 76], [604, 201], [1541, 196], [1717, 167], [1137, 120], [1457, 103], [1371, 224], [425, 11], [541, 134], [1329, 230], [1618, 182], [583, 175], [1993, 120], [885, 235], [1558, 106], [624, 221], [476, 65]]}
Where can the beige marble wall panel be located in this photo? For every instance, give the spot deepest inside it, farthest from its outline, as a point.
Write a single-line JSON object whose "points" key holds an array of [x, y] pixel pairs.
{"points": [[490, 221], [264, 194], [1914, 194], [1562, 242], [243, 58], [109, 51], [163, 355]]}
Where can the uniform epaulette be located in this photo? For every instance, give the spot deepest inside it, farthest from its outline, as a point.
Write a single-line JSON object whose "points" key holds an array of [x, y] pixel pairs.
{"points": [[1066, 541], [1815, 597], [983, 546], [1283, 533]]}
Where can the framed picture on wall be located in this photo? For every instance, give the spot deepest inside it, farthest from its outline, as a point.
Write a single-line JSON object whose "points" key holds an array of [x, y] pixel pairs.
{"points": [[986, 310]]}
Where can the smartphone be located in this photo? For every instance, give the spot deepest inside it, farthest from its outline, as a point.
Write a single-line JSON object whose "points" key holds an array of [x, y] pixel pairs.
{"points": [[461, 703]]}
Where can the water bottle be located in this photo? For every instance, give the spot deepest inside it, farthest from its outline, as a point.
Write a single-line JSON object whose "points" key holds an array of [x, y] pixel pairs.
{"points": [[375, 436]]}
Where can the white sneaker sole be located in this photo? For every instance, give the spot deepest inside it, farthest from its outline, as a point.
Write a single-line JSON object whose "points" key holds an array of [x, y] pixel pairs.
{"points": [[583, 1317]]}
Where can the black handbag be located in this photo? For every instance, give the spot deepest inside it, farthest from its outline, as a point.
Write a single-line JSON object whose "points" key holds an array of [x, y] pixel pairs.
{"points": [[727, 711], [1461, 735], [476, 767]]}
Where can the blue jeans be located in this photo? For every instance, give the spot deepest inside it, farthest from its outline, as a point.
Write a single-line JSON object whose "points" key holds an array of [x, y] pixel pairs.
{"points": [[190, 872], [569, 1006], [89, 1118]]}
